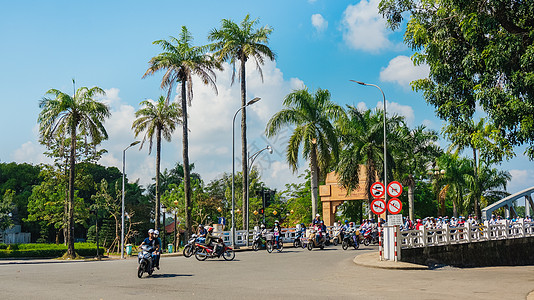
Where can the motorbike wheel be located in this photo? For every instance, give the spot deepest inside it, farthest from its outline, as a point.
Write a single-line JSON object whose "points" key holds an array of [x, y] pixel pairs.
{"points": [[310, 246], [321, 246], [296, 243], [345, 245], [335, 242], [150, 270], [140, 269], [366, 242], [270, 246], [229, 254], [302, 244], [255, 246], [201, 254], [281, 246], [188, 251], [356, 246]]}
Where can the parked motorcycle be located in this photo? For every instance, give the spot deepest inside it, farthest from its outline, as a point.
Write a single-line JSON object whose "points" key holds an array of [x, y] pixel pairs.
{"points": [[205, 251], [190, 248], [145, 261], [316, 240], [348, 240], [259, 242]]}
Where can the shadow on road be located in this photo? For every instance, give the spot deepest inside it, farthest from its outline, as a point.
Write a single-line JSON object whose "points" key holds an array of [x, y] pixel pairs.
{"points": [[170, 275]]}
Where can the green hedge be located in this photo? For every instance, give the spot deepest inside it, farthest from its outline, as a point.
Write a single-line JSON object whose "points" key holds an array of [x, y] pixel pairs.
{"points": [[48, 250]]}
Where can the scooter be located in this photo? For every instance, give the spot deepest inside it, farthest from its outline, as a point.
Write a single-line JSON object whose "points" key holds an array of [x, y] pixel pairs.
{"points": [[145, 261], [205, 251], [370, 237], [259, 242], [298, 241], [316, 240], [273, 244], [349, 240], [190, 248]]}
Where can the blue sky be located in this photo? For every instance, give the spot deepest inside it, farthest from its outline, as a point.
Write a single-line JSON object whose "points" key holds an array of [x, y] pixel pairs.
{"points": [[319, 44]]}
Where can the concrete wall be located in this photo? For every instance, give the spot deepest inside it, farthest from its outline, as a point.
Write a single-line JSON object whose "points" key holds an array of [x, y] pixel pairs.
{"points": [[510, 252]]}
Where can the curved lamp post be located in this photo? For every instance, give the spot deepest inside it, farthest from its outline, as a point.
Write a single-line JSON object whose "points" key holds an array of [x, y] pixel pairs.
{"points": [[123, 179], [233, 165], [251, 159]]}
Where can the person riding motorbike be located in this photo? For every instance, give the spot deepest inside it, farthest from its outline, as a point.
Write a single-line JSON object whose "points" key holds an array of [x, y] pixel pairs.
{"points": [[157, 253], [201, 233], [352, 231], [277, 230], [151, 241], [210, 239]]}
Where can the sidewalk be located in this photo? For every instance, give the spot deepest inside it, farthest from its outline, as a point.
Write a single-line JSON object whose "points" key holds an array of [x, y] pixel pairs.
{"points": [[372, 260]]}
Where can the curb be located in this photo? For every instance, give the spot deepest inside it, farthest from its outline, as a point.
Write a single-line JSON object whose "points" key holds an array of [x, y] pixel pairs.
{"points": [[371, 260]]}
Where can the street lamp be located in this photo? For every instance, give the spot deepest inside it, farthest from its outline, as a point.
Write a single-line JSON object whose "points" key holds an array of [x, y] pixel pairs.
{"points": [[123, 179], [385, 152], [164, 208], [233, 165], [251, 159]]}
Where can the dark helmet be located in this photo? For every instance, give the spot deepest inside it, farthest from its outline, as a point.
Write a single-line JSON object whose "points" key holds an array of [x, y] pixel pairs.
{"points": [[302, 225], [346, 221]]}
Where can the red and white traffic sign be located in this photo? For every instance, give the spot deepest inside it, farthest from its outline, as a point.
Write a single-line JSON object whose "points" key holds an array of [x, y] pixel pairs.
{"points": [[377, 189], [394, 206], [378, 206], [394, 189]]}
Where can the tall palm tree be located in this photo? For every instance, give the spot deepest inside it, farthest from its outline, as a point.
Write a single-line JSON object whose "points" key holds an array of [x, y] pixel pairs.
{"points": [[65, 116], [181, 61], [157, 119], [452, 183], [362, 135], [490, 184], [313, 116], [242, 42], [417, 150]]}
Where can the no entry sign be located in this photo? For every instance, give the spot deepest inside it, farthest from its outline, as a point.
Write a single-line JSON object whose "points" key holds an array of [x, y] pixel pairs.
{"points": [[378, 206], [377, 189], [394, 189], [394, 206]]}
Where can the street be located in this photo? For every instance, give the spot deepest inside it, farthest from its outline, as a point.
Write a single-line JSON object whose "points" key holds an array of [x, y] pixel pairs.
{"points": [[292, 274]]}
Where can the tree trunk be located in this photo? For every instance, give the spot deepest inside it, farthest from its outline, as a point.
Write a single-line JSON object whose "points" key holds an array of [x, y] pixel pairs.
{"points": [[70, 221], [314, 180], [244, 155], [410, 200], [158, 161], [476, 200], [66, 204], [454, 209], [185, 152]]}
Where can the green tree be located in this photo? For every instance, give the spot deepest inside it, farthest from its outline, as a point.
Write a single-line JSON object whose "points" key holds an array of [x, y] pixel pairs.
{"points": [[418, 149], [452, 183], [66, 116], [313, 116], [181, 61], [487, 186], [241, 42], [362, 135], [6, 208], [156, 119], [480, 53]]}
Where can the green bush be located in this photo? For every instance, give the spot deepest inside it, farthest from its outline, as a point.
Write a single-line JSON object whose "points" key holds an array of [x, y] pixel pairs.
{"points": [[3, 246], [48, 250], [13, 247]]}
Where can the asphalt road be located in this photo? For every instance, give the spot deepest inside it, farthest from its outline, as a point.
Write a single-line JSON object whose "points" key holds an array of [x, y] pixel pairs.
{"points": [[292, 274]]}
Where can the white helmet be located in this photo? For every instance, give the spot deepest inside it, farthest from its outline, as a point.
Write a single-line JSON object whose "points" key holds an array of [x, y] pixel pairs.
{"points": [[150, 231], [317, 215], [156, 232]]}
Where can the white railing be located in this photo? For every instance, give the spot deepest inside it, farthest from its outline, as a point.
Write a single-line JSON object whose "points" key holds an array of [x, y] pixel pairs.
{"points": [[287, 234], [465, 234]]}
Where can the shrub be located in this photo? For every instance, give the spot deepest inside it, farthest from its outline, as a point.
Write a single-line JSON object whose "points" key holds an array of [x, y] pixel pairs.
{"points": [[3, 246], [48, 250]]}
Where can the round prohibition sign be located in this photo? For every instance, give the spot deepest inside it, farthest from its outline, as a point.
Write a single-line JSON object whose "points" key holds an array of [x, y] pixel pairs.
{"points": [[394, 206], [378, 189], [378, 206], [394, 189]]}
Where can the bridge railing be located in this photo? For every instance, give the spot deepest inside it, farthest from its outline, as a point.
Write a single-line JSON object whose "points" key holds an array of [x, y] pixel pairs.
{"points": [[287, 234], [465, 234]]}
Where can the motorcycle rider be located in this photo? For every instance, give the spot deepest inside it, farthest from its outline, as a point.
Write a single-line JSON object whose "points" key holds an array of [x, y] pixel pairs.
{"points": [[157, 254], [201, 233], [317, 219], [210, 238], [277, 230], [151, 242], [352, 231]]}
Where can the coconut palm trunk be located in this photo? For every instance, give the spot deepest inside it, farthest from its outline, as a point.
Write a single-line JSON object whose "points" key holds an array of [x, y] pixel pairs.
{"points": [[244, 155], [70, 222], [185, 153], [476, 198], [158, 162], [314, 177], [410, 200]]}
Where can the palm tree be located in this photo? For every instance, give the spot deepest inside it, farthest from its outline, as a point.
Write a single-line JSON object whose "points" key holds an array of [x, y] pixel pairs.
{"points": [[181, 61], [242, 42], [488, 186], [452, 183], [363, 140], [64, 116], [156, 119], [313, 116], [417, 150]]}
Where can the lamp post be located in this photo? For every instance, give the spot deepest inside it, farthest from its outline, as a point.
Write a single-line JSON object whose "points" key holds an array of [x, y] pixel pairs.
{"points": [[123, 179], [251, 159], [385, 158], [163, 208], [233, 165]]}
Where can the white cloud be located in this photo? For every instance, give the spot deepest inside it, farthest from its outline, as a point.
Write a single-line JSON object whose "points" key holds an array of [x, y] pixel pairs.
{"points": [[361, 106], [32, 153], [319, 22], [394, 108], [363, 28], [521, 179], [402, 71]]}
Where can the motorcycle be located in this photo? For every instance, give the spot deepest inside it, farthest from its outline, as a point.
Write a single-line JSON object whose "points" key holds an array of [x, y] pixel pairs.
{"points": [[259, 242], [370, 237], [272, 243], [336, 239], [348, 240], [145, 261], [299, 240], [205, 251], [316, 240], [191, 247]]}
